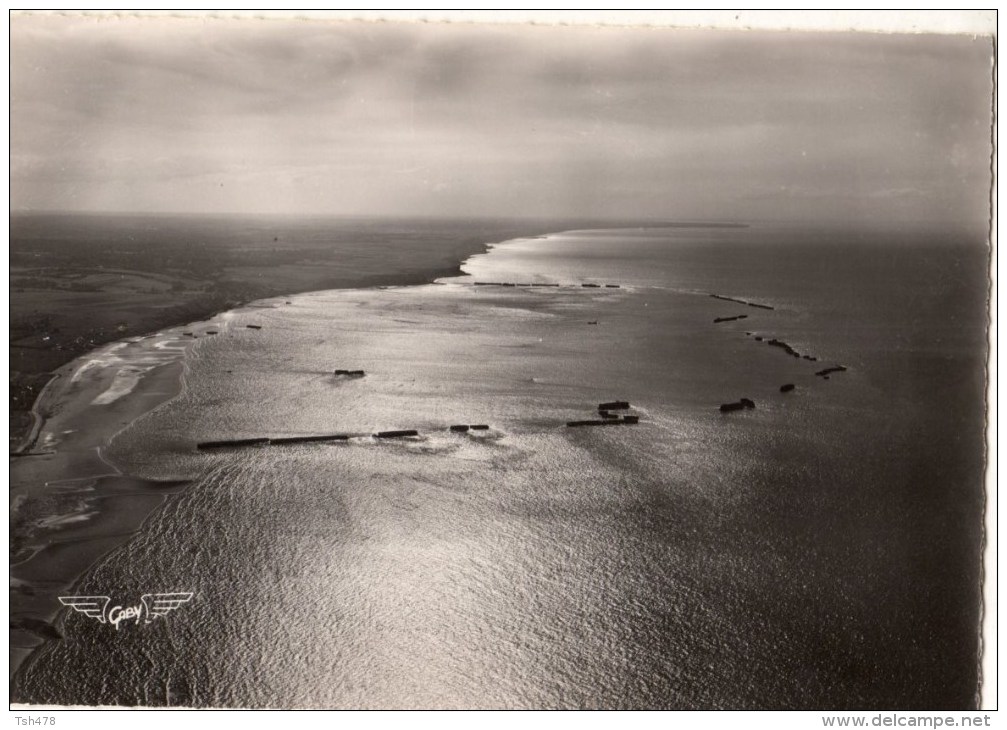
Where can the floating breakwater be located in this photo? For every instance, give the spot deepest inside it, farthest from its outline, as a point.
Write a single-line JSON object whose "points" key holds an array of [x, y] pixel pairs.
{"points": [[741, 301], [309, 439], [834, 369], [554, 284], [604, 422], [403, 433], [229, 443], [330, 437], [614, 405], [744, 403], [608, 418]]}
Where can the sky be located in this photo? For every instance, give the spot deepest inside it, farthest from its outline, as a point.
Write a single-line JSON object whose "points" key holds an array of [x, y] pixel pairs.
{"points": [[313, 117]]}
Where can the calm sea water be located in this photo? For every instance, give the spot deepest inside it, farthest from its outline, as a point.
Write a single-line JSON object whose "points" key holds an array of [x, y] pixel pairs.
{"points": [[821, 550]]}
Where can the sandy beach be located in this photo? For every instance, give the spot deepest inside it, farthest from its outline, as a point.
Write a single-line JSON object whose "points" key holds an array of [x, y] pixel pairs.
{"points": [[81, 282], [69, 504]]}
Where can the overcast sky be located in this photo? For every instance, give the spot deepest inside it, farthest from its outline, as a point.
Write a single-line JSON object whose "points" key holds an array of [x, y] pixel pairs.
{"points": [[323, 117]]}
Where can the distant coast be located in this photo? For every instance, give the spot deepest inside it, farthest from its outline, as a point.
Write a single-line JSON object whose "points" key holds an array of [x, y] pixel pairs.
{"points": [[81, 281]]}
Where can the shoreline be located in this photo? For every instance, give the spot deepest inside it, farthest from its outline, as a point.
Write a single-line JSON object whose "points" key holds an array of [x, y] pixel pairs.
{"points": [[28, 441], [391, 253], [23, 449], [38, 420], [678, 395], [71, 505], [79, 528]]}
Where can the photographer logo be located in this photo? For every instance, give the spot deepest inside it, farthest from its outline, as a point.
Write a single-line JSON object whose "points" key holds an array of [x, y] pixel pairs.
{"points": [[152, 606]]}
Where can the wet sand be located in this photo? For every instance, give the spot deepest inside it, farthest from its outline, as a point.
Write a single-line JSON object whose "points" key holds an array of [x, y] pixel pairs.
{"points": [[81, 281], [69, 506]]}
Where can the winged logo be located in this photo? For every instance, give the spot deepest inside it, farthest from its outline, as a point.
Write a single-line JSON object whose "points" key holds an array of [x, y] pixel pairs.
{"points": [[159, 605], [91, 606], [152, 606]]}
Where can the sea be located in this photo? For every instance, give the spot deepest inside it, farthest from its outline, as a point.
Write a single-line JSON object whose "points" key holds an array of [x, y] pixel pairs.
{"points": [[821, 549]]}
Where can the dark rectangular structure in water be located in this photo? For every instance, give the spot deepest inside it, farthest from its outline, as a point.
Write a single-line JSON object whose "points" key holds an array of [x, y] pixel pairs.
{"points": [[614, 405], [310, 439], [396, 434], [231, 443]]}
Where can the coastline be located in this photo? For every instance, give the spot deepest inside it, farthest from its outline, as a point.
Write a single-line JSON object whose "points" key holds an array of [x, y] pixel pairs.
{"points": [[683, 428], [70, 505], [97, 507], [38, 420], [28, 440]]}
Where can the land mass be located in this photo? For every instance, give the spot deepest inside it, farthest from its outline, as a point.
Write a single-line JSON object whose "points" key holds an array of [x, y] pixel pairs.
{"points": [[78, 281]]}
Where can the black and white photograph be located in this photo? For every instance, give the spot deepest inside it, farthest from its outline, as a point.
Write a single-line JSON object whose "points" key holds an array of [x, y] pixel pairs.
{"points": [[378, 364]]}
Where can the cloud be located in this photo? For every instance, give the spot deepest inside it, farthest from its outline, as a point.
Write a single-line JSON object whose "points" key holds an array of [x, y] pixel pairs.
{"points": [[160, 114]]}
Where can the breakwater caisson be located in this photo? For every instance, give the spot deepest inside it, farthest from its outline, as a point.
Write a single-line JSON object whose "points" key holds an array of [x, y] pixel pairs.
{"points": [[779, 344], [552, 284], [626, 420], [828, 371], [608, 418], [269, 441], [310, 439], [741, 301], [614, 405], [743, 403], [324, 438], [402, 433], [786, 347], [783, 346], [232, 443], [622, 500]]}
